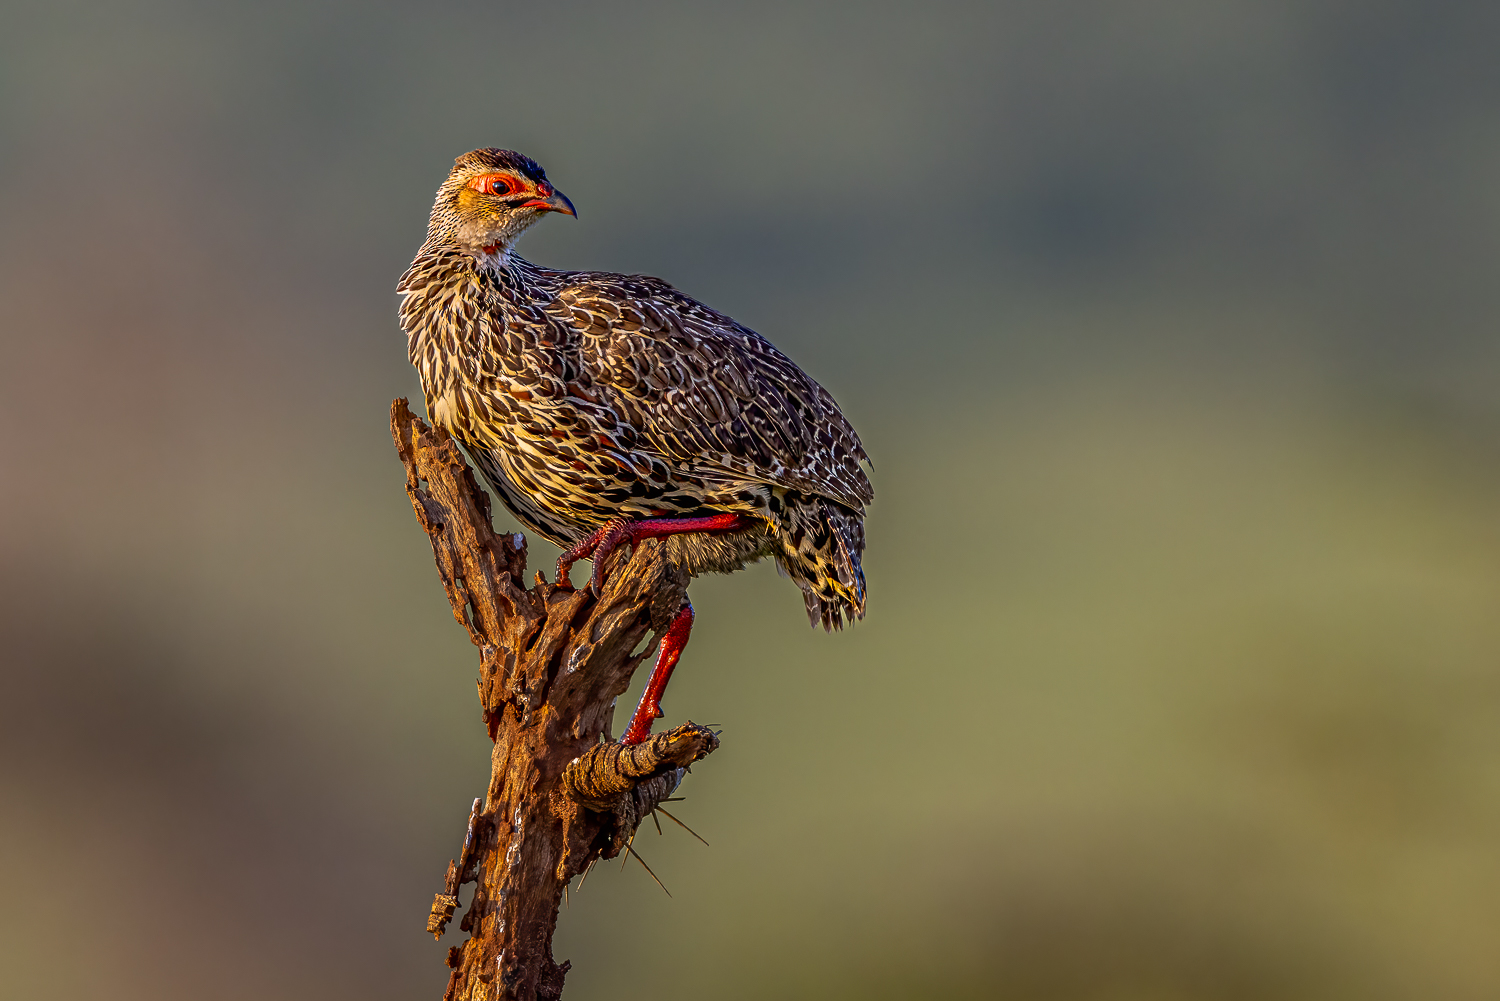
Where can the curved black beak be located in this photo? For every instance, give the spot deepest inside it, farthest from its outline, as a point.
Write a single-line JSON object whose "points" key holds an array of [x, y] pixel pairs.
{"points": [[556, 202]]}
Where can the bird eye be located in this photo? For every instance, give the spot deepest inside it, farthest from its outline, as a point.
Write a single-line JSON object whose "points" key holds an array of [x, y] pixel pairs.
{"points": [[499, 187]]}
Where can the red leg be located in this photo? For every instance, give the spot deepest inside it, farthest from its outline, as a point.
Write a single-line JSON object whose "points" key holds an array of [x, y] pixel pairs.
{"points": [[599, 545], [649, 710]]}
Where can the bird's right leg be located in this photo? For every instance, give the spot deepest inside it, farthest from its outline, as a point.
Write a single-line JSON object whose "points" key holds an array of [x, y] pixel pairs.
{"points": [[649, 709], [603, 541]]}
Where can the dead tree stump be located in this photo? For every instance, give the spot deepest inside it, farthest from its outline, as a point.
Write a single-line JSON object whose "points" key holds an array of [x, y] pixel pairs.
{"points": [[552, 662]]}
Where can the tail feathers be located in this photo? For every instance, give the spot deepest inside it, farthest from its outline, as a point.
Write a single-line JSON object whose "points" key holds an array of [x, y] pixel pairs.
{"points": [[822, 542]]}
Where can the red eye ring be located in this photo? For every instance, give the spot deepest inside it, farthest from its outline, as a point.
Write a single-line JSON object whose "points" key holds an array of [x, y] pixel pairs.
{"points": [[493, 184]]}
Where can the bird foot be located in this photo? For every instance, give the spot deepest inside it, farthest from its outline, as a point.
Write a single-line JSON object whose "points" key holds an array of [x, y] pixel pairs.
{"points": [[606, 539], [597, 547]]}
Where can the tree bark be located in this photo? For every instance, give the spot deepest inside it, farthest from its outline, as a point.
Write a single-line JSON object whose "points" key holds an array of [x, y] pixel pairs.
{"points": [[562, 794]]}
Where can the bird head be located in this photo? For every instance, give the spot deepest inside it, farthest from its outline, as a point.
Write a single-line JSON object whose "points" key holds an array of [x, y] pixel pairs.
{"points": [[489, 199]]}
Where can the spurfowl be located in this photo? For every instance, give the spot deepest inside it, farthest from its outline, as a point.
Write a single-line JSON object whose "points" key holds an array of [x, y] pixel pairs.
{"points": [[607, 408]]}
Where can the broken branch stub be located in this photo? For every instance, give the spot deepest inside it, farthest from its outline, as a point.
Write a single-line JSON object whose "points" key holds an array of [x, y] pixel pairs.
{"points": [[552, 662]]}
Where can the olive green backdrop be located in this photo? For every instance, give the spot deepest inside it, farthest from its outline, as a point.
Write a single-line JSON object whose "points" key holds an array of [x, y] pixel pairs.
{"points": [[1171, 328]]}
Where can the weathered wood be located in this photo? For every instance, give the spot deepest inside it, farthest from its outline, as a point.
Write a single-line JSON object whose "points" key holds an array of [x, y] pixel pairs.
{"points": [[552, 662]]}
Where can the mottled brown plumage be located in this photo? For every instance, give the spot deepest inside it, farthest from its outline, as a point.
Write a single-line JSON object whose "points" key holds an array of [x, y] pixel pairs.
{"points": [[586, 397]]}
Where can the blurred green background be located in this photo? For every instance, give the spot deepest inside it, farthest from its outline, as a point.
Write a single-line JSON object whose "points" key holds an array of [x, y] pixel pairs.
{"points": [[1171, 330]]}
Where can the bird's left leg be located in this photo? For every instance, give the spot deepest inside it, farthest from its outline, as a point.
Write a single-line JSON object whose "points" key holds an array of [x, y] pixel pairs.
{"points": [[602, 542], [649, 709]]}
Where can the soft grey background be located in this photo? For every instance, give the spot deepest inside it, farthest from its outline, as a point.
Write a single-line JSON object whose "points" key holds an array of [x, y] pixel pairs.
{"points": [[1171, 327]]}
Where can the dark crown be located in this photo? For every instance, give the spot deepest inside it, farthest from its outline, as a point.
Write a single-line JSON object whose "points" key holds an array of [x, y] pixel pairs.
{"points": [[491, 158]]}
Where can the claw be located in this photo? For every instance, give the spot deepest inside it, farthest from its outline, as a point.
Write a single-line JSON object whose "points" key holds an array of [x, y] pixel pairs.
{"points": [[615, 533], [588, 548]]}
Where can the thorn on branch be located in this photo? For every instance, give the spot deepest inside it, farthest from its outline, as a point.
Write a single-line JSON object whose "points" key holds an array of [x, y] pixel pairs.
{"points": [[678, 823], [632, 851]]}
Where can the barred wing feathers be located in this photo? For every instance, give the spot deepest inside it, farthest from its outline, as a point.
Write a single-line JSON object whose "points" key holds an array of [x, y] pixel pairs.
{"points": [[705, 391]]}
